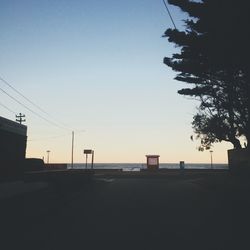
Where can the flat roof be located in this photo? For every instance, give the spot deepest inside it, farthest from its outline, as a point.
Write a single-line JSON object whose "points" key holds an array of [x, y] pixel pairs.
{"points": [[13, 127]]}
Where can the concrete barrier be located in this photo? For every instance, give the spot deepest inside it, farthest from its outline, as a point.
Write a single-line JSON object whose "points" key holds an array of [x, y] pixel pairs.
{"points": [[54, 166]]}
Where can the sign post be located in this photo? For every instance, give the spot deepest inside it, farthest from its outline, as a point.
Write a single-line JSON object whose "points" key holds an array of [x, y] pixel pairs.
{"points": [[87, 152]]}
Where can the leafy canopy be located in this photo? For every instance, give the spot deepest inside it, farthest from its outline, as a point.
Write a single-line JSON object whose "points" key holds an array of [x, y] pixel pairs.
{"points": [[213, 60]]}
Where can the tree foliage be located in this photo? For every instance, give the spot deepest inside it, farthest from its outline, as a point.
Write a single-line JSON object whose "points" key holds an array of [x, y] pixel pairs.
{"points": [[213, 60]]}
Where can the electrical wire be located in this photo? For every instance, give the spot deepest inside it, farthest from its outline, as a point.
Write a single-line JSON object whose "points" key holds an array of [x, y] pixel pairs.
{"points": [[7, 108], [172, 20], [33, 112], [48, 138], [54, 137], [27, 99], [35, 105]]}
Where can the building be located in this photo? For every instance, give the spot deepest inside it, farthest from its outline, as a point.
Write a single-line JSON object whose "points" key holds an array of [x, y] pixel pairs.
{"points": [[13, 140]]}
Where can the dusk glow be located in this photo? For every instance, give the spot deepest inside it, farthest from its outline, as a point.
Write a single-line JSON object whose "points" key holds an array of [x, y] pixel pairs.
{"points": [[96, 68]]}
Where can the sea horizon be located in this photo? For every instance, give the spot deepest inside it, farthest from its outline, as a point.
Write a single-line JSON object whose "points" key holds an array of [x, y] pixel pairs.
{"points": [[144, 165]]}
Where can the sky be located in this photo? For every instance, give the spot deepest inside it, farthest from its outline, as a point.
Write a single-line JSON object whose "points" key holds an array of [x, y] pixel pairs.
{"points": [[96, 68]]}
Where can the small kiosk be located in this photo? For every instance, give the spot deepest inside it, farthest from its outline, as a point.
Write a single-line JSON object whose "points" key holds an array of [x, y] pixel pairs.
{"points": [[152, 162]]}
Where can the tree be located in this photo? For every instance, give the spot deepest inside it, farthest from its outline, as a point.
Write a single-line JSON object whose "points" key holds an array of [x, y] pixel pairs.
{"points": [[213, 58]]}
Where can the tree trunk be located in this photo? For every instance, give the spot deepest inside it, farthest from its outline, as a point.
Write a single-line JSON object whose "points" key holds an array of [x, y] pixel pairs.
{"points": [[248, 140], [248, 105], [229, 90], [235, 142]]}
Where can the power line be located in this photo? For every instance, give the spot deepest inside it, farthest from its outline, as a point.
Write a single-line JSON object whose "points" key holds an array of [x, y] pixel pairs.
{"points": [[7, 108], [48, 138], [31, 102], [172, 20], [27, 99], [33, 112]]}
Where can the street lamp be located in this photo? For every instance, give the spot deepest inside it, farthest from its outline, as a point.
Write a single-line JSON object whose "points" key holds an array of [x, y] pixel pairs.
{"points": [[211, 156], [72, 150], [48, 151], [72, 147]]}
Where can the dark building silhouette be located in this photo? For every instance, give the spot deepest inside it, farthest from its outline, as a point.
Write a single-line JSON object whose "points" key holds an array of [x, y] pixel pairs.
{"points": [[13, 139]]}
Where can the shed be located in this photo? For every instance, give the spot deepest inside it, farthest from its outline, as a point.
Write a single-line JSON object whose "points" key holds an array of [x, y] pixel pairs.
{"points": [[152, 162]]}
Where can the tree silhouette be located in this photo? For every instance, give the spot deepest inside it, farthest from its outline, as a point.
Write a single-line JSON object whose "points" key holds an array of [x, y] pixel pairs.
{"points": [[213, 59]]}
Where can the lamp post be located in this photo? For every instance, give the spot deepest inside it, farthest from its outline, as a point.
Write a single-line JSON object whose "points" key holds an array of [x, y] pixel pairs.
{"points": [[72, 150], [48, 151], [72, 147], [211, 157]]}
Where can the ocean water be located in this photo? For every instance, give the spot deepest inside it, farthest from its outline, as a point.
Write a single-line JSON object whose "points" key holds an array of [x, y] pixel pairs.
{"points": [[134, 166]]}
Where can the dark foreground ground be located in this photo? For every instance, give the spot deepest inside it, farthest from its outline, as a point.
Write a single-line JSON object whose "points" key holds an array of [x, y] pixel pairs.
{"points": [[179, 210]]}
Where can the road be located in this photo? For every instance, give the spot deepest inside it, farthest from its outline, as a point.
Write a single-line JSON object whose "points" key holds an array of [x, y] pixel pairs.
{"points": [[191, 211]]}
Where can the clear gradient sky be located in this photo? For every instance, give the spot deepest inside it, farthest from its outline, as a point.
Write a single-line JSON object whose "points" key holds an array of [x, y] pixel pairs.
{"points": [[97, 67]]}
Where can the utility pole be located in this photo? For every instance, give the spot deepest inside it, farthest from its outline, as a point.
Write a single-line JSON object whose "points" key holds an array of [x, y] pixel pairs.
{"points": [[19, 118], [72, 152]]}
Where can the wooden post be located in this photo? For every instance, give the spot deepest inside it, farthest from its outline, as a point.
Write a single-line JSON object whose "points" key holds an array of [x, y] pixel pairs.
{"points": [[86, 161], [92, 164]]}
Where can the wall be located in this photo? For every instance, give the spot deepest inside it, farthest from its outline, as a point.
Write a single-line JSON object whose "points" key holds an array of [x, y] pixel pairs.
{"points": [[13, 141], [239, 159]]}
